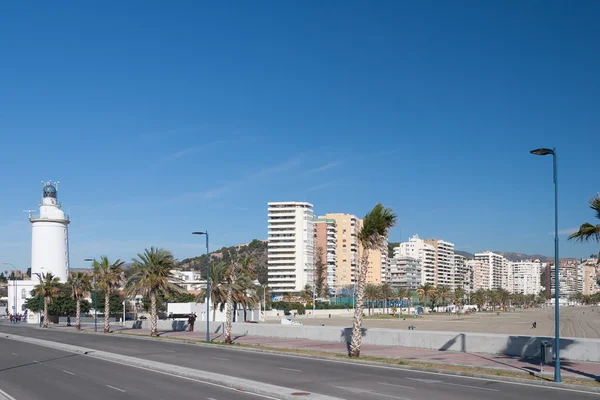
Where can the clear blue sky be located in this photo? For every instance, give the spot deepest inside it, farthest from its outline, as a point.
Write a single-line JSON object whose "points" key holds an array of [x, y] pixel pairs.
{"points": [[162, 118]]}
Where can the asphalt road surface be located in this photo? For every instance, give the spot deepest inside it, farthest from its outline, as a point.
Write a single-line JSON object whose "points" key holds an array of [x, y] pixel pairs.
{"points": [[333, 378], [29, 372]]}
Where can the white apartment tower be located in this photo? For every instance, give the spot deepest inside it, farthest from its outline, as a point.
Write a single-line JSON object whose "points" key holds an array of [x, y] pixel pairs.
{"points": [[493, 266], [444, 262], [424, 252], [291, 246], [526, 277], [463, 274]]}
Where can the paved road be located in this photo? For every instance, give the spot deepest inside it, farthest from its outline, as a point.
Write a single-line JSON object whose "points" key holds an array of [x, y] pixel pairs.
{"points": [[30, 372], [339, 379]]}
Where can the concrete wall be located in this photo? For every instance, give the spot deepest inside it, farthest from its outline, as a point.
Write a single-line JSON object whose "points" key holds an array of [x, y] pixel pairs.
{"points": [[575, 349]]}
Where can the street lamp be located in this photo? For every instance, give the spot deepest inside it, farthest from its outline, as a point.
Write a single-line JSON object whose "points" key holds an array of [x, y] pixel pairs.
{"points": [[545, 152], [207, 285], [95, 306]]}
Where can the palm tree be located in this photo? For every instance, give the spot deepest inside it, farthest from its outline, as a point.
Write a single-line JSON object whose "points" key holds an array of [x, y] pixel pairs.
{"points": [[80, 286], [218, 287], [288, 297], [230, 278], [108, 278], [152, 274], [48, 288], [588, 231], [503, 297], [478, 298], [245, 293], [493, 298], [444, 293], [372, 293], [425, 291], [387, 293], [459, 296], [372, 236]]}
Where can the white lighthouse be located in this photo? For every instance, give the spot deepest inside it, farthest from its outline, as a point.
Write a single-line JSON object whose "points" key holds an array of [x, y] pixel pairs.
{"points": [[49, 251], [50, 238]]}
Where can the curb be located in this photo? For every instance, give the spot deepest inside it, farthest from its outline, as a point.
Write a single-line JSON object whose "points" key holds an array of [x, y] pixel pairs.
{"points": [[243, 385]]}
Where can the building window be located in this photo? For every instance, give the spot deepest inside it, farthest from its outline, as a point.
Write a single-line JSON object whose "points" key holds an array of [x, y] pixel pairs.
{"points": [[23, 293]]}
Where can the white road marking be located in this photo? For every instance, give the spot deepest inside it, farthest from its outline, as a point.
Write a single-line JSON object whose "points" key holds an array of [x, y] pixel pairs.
{"points": [[36, 361], [116, 388], [290, 369], [67, 372], [469, 386], [399, 386], [210, 398], [170, 351], [5, 395], [222, 359], [189, 379], [363, 391], [14, 354]]}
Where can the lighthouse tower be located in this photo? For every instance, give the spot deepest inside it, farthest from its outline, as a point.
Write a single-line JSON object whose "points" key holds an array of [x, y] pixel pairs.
{"points": [[50, 239]]}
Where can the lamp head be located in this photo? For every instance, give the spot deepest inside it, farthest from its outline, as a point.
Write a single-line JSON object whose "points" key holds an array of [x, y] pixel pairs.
{"points": [[198, 233], [542, 152]]}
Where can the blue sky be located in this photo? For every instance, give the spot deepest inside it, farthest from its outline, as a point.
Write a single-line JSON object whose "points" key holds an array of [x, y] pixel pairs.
{"points": [[160, 119]]}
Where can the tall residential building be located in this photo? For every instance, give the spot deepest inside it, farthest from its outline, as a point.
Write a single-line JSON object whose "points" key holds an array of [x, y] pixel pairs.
{"points": [[291, 246], [507, 276], [463, 274], [404, 272], [444, 261], [495, 265], [526, 277], [481, 274], [346, 230], [586, 279], [567, 278], [326, 246], [424, 252]]}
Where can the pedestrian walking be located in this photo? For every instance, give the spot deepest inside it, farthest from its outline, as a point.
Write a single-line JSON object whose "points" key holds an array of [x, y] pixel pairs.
{"points": [[191, 321], [534, 325], [68, 320]]}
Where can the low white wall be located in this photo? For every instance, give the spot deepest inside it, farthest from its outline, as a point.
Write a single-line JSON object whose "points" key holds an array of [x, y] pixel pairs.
{"points": [[575, 349]]}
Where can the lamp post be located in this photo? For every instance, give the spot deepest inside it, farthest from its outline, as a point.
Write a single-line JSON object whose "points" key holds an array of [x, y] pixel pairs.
{"points": [[545, 152], [207, 285], [95, 306]]}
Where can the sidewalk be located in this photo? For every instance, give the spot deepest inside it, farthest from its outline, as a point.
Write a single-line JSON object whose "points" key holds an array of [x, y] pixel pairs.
{"points": [[574, 369]]}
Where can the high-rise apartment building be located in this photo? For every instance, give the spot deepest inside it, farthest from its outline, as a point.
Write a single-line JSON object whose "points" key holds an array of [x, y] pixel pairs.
{"points": [[404, 272], [463, 274], [526, 277], [586, 279], [444, 261], [378, 265], [326, 247], [495, 266], [424, 252], [567, 278], [481, 274], [347, 248], [291, 246]]}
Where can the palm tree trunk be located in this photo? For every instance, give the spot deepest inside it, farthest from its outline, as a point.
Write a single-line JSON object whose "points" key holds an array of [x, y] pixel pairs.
{"points": [[153, 323], [228, 314], [359, 308], [45, 312], [78, 315], [107, 312]]}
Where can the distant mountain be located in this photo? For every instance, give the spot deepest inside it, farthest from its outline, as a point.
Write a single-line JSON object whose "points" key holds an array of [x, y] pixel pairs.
{"points": [[256, 249], [465, 254]]}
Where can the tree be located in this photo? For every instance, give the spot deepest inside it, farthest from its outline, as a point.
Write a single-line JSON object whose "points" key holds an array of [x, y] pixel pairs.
{"points": [[152, 275], [80, 286], [588, 231], [28, 273], [108, 278], [459, 296], [288, 297], [230, 279], [218, 287], [503, 297], [320, 273], [372, 236], [372, 294], [444, 293], [425, 291], [48, 287], [402, 293], [387, 294], [478, 298]]}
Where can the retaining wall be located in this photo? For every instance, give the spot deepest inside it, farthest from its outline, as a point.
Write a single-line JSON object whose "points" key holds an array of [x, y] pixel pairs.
{"points": [[575, 349]]}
